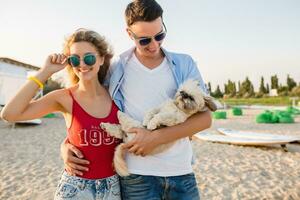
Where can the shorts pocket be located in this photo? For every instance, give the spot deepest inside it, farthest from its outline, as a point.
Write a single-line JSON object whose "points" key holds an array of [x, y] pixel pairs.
{"points": [[115, 189], [66, 190], [132, 179]]}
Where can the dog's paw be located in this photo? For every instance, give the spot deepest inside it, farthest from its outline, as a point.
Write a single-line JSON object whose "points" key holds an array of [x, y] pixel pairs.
{"points": [[104, 126], [152, 125], [145, 122], [112, 129], [122, 116]]}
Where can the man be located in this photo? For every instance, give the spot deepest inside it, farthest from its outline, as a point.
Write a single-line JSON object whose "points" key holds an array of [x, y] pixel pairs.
{"points": [[142, 78]]}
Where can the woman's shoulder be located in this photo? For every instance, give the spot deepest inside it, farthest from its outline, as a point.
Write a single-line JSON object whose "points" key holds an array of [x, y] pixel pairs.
{"points": [[60, 92], [62, 96]]}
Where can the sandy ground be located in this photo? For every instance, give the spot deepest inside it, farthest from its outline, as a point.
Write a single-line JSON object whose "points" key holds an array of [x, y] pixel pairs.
{"points": [[237, 172], [30, 164]]}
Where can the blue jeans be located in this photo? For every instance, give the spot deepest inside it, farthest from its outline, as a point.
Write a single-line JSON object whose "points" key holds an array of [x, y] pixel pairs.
{"points": [[139, 187], [76, 188]]}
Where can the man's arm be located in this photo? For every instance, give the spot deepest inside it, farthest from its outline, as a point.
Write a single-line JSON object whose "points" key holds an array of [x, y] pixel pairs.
{"points": [[73, 159], [196, 123], [145, 140]]}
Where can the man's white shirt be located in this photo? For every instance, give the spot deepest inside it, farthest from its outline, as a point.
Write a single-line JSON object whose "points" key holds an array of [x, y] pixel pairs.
{"points": [[144, 89]]}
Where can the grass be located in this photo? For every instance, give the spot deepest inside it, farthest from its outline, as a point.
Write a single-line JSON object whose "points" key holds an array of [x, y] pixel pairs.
{"points": [[271, 101]]}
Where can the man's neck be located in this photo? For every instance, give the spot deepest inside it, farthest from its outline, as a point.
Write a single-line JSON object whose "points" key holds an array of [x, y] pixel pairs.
{"points": [[150, 62]]}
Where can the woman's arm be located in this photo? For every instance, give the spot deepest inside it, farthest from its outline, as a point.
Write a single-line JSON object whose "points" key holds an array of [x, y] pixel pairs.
{"points": [[22, 107]]}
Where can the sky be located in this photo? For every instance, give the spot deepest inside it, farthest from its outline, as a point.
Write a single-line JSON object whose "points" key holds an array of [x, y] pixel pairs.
{"points": [[228, 39]]}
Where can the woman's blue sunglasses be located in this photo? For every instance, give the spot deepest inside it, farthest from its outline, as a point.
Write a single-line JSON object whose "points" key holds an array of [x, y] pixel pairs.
{"points": [[89, 59]]}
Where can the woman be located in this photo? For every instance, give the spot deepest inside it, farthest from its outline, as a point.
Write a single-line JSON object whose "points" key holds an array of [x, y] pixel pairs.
{"points": [[84, 106]]}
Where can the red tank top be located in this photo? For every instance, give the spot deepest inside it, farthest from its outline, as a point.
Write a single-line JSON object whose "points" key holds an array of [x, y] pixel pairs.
{"points": [[95, 144]]}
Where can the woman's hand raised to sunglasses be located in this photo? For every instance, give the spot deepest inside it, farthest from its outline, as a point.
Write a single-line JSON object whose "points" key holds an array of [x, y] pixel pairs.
{"points": [[55, 63]]}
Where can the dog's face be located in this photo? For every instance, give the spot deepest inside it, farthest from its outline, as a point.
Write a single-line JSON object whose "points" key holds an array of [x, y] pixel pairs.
{"points": [[189, 98]]}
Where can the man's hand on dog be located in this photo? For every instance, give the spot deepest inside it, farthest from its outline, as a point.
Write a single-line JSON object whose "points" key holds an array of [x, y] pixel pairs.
{"points": [[143, 143]]}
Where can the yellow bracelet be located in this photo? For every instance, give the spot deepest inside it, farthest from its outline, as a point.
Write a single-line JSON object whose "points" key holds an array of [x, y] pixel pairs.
{"points": [[37, 81]]}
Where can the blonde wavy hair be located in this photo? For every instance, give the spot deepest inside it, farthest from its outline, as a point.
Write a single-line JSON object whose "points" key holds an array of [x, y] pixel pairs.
{"points": [[102, 47]]}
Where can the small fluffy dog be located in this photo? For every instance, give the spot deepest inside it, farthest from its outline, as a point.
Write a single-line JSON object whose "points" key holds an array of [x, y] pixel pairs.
{"points": [[188, 100]]}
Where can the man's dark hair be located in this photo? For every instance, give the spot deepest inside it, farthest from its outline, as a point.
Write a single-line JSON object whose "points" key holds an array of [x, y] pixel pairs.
{"points": [[142, 10]]}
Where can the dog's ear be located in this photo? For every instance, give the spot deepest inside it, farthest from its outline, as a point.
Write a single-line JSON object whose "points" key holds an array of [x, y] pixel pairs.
{"points": [[209, 102]]}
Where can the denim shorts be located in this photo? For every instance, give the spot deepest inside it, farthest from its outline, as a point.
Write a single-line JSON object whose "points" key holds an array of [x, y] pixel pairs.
{"points": [[76, 188], [139, 187]]}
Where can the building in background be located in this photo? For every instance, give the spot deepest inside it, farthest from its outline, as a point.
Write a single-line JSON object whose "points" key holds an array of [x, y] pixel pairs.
{"points": [[273, 93], [13, 74]]}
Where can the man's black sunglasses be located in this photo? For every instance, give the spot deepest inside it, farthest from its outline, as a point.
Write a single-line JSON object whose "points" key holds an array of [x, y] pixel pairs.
{"points": [[147, 40]]}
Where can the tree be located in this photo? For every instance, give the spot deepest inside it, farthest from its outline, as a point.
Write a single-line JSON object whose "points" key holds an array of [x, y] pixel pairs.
{"points": [[238, 92], [217, 93], [247, 89], [225, 89], [209, 87], [290, 83], [274, 82], [262, 88], [296, 91], [230, 88], [283, 90], [268, 89]]}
